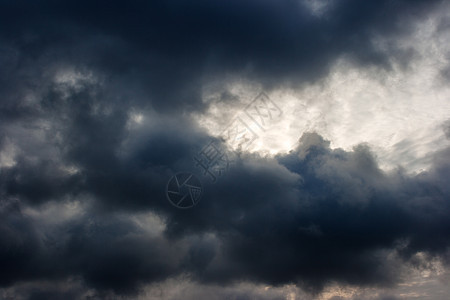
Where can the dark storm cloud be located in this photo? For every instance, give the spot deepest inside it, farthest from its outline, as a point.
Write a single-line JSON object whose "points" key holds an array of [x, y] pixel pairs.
{"points": [[336, 217], [106, 252], [308, 217], [167, 49]]}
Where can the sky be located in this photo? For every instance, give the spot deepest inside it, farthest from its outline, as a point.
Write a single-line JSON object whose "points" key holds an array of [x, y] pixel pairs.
{"points": [[240, 149]]}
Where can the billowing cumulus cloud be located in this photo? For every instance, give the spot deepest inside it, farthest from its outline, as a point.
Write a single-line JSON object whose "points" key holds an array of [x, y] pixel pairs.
{"points": [[102, 103]]}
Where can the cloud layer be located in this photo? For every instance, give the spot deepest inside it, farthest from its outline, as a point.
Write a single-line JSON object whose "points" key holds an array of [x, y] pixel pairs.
{"points": [[98, 109]]}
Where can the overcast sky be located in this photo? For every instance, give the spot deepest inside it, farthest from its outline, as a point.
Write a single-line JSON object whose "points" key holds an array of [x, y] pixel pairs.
{"points": [[328, 123]]}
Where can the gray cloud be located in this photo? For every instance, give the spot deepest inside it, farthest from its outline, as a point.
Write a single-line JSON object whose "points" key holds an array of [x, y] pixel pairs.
{"points": [[251, 226], [73, 74]]}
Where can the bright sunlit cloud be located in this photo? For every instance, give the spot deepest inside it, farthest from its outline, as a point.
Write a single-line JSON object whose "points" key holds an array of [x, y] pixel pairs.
{"points": [[399, 113]]}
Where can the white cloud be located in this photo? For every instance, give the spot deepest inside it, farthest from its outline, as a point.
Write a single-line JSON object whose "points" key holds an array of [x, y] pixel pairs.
{"points": [[399, 112]]}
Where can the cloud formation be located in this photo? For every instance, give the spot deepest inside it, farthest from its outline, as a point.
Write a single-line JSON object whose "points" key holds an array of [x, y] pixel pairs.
{"points": [[97, 112]]}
